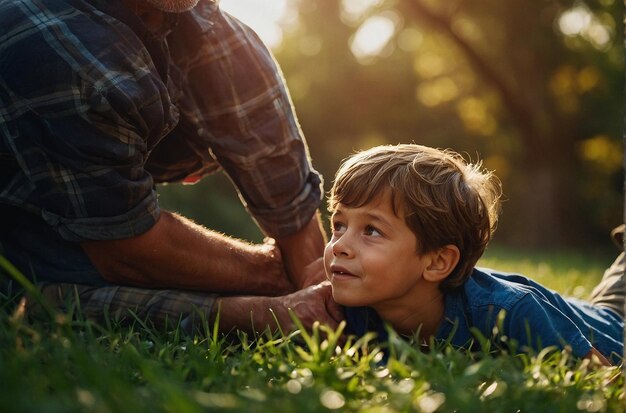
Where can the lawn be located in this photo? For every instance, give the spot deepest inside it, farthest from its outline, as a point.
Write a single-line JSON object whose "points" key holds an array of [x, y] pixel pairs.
{"points": [[63, 363]]}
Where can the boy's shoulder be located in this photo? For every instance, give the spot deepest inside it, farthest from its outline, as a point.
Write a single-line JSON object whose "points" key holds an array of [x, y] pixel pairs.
{"points": [[485, 296], [488, 287]]}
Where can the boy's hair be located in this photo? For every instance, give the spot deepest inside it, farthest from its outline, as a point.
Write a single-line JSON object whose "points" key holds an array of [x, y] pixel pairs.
{"points": [[445, 200]]}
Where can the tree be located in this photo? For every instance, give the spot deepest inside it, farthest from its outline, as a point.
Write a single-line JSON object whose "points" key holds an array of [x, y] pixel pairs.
{"points": [[535, 87]]}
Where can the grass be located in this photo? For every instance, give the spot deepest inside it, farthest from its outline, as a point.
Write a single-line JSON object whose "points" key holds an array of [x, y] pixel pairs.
{"points": [[63, 363], [572, 273]]}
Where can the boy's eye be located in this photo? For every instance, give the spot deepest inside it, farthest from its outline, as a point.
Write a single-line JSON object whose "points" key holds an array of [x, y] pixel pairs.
{"points": [[370, 230], [338, 226]]}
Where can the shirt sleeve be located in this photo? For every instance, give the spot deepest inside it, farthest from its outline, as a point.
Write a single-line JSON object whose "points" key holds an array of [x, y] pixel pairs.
{"points": [[538, 324], [236, 91], [86, 107]]}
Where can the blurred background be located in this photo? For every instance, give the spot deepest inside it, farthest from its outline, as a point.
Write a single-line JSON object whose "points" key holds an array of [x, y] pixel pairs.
{"points": [[534, 88]]}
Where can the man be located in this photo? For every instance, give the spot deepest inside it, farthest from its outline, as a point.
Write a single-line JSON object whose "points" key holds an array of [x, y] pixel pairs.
{"points": [[102, 99]]}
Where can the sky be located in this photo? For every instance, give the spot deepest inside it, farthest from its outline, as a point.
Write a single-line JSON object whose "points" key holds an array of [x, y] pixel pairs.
{"points": [[266, 18], [262, 15]]}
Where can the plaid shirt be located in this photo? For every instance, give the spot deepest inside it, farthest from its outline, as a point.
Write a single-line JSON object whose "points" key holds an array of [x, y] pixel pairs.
{"points": [[95, 108], [162, 309]]}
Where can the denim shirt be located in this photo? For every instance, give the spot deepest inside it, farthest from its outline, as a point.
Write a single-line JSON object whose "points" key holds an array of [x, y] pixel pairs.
{"points": [[510, 308]]}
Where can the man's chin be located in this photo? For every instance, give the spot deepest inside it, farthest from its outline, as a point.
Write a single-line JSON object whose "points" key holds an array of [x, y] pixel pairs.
{"points": [[173, 6]]}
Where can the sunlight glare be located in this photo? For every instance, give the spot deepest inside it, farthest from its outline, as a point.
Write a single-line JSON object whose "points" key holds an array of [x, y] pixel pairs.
{"points": [[372, 37], [574, 21], [598, 34], [353, 10], [263, 17], [580, 21]]}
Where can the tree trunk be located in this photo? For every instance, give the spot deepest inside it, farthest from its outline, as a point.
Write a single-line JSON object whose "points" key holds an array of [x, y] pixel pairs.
{"points": [[543, 210]]}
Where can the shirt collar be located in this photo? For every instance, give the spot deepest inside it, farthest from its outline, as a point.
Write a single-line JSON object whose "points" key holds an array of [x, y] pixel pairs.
{"points": [[201, 18]]}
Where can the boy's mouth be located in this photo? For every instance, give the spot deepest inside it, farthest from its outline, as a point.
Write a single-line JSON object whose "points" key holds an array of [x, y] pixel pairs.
{"points": [[340, 271]]}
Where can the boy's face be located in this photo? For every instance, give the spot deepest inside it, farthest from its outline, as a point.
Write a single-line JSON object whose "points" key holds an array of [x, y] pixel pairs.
{"points": [[371, 259]]}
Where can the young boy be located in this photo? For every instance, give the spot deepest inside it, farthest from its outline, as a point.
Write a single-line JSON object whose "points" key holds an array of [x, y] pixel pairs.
{"points": [[409, 223]]}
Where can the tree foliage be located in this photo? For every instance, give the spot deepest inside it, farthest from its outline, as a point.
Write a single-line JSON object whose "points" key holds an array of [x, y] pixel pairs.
{"points": [[532, 88]]}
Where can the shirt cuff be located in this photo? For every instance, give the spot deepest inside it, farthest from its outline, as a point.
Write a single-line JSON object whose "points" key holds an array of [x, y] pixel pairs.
{"points": [[134, 222], [286, 220]]}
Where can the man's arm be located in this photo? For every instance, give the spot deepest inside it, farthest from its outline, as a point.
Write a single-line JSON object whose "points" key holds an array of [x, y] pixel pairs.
{"points": [[254, 314], [189, 309], [176, 253]]}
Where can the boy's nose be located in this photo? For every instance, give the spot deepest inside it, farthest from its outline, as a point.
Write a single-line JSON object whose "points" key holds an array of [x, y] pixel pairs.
{"points": [[342, 246]]}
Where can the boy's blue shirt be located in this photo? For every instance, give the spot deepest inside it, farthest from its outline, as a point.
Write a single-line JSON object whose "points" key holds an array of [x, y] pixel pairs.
{"points": [[533, 316]]}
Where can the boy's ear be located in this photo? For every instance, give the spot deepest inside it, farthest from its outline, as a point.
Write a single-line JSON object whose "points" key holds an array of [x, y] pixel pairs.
{"points": [[443, 261]]}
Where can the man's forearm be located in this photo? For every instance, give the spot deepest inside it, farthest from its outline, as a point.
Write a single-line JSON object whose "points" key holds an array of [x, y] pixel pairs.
{"points": [[301, 249], [255, 314], [250, 314], [176, 253]]}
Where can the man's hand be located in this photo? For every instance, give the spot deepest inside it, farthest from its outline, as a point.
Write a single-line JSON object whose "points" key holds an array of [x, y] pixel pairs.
{"points": [[313, 273], [314, 303], [253, 314]]}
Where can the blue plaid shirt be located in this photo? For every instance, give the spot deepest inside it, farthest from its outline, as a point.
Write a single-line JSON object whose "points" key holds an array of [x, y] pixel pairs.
{"points": [[96, 108]]}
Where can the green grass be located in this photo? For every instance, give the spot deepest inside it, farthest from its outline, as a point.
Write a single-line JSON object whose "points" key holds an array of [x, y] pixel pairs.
{"points": [[572, 273], [67, 364]]}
